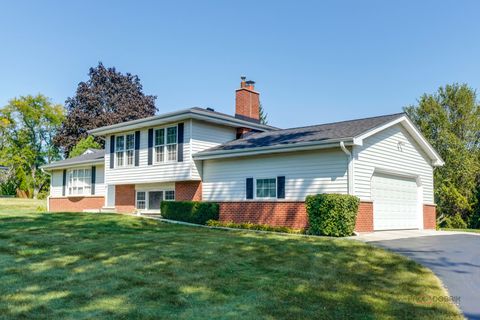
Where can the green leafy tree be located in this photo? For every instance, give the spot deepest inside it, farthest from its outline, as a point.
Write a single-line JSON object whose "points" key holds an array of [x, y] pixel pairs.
{"points": [[450, 120], [29, 124], [108, 97], [83, 145]]}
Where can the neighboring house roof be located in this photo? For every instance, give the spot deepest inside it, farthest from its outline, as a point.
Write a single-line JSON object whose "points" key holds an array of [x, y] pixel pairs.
{"points": [[90, 156], [192, 113], [312, 137]]}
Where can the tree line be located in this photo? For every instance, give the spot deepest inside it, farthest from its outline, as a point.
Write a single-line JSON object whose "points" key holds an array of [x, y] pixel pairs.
{"points": [[35, 131]]}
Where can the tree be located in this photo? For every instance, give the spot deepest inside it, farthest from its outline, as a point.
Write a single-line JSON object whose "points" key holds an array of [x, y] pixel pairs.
{"points": [[107, 98], [29, 124], [83, 145], [263, 115], [450, 120]]}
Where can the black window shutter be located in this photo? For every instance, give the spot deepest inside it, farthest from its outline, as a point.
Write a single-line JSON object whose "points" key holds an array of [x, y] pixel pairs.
{"points": [[137, 148], [64, 185], [249, 188], [94, 178], [281, 187], [180, 142], [150, 146], [112, 151]]}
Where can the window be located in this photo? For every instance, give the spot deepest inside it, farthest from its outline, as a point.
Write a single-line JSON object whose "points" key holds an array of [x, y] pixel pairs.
{"points": [[266, 188], [141, 200], [159, 145], [125, 150], [150, 200], [165, 144], [130, 150], [169, 195], [79, 182], [172, 144], [119, 149]]}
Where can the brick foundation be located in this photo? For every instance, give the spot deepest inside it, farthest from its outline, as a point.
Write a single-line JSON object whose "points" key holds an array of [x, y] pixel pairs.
{"points": [[125, 198], [188, 190], [364, 222], [429, 216], [290, 214], [75, 204]]}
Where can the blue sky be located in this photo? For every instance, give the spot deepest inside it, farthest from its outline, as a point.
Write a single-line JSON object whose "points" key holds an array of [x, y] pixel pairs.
{"points": [[313, 61]]}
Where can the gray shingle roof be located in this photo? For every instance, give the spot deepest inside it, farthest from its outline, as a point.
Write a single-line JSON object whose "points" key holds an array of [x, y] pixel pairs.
{"points": [[316, 133], [95, 156]]}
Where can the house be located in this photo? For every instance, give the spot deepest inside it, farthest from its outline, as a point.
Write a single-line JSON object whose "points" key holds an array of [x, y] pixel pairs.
{"points": [[256, 172]]}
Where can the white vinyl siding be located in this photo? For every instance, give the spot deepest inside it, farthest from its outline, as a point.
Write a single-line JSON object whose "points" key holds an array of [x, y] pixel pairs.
{"points": [[383, 152], [56, 182], [309, 172], [158, 172], [206, 135]]}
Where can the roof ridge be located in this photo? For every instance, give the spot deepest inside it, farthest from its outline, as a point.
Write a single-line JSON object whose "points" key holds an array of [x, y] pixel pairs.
{"points": [[337, 122]]}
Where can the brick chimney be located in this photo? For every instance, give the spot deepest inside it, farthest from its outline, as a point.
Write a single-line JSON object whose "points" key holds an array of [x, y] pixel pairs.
{"points": [[247, 101]]}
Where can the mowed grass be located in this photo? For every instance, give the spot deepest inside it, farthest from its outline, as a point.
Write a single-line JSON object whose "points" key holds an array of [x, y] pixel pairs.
{"points": [[15, 205], [84, 266]]}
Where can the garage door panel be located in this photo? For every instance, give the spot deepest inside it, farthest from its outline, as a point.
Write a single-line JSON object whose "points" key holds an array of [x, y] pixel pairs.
{"points": [[395, 202]]}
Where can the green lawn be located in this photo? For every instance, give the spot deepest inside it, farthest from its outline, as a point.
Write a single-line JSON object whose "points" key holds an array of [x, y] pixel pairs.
{"points": [[83, 266], [15, 205]]}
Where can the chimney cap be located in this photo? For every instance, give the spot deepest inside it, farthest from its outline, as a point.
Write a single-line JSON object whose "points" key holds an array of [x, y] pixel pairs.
{"points": [[243, 78], [250, 82]]}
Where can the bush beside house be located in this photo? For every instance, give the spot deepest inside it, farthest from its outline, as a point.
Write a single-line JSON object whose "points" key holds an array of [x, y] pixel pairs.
{"points": [[332, 214], [190, 211]]}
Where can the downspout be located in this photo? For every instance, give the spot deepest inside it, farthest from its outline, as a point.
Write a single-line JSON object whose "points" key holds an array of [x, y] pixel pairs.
{"points": [[349, 167]]}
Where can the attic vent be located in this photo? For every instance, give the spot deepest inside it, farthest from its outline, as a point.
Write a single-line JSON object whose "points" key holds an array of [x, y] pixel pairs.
{"points": [[210, 109]]}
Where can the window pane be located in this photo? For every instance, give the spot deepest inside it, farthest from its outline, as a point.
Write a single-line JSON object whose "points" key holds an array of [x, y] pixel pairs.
{"points": [[172, 152], [266, 188], [159, 137], [130, 154], [171, 135], [119, 159], [130, 142], [170, 195], [141, 200], [120, 145], [159, 154]]}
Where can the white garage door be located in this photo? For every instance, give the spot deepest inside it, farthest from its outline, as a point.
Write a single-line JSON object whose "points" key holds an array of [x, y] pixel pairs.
{"points": [[395, 203]]}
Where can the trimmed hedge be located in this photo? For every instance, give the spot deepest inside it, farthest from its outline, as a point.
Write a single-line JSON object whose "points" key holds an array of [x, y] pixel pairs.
{"points": [[252, 226], [190, 211], [332, 214]]}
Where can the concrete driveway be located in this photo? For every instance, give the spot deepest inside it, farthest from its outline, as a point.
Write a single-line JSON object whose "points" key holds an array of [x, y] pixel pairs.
{"points": [[453, 256]]}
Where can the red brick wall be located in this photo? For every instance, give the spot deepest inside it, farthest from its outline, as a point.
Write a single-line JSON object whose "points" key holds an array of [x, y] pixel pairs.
{"points": [[429, 216], [125, 198], [247, 104], [364, 221], [188, 190], [75, 204], [291, 214]]}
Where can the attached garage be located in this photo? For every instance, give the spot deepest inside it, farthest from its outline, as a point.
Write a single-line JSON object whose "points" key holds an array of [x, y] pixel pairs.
{"points": [[396, 203]]}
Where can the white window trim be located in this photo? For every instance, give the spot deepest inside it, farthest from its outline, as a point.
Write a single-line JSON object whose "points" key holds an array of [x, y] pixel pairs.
{"points": [[83, 194], [125, 165], [165, 144], [265, 198], [147, 191]]}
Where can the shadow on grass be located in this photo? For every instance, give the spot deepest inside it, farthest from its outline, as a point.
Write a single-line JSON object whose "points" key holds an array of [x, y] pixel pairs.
{"points": [[86, 265]]}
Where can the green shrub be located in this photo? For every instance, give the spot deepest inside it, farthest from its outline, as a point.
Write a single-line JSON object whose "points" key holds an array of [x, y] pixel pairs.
{"points": [[454, 222], [190, 211], [252, 226], [332, 214]]}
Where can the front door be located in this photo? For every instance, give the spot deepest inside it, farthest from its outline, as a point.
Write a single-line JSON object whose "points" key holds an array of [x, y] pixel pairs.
{"points": [[154, 200]]}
